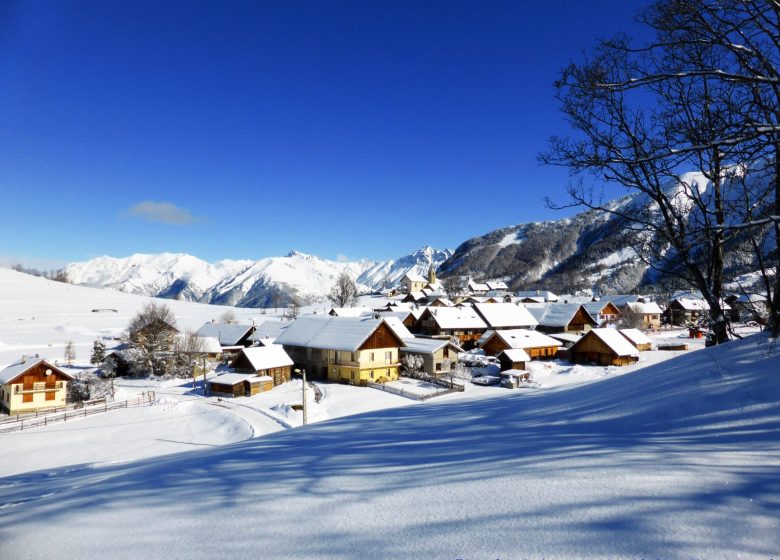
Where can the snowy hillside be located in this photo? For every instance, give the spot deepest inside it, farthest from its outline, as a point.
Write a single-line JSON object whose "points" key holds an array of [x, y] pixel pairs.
{"points": [[678, 460], [245, 283]]}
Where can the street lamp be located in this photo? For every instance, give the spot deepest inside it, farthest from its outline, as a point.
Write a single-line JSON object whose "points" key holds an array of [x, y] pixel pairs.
{"points": [[302, 371]]}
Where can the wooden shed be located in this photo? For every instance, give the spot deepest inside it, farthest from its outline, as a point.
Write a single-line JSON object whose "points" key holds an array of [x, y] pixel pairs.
{"points": [[239, 384], [270, 361], [637, 338], [606, 347], [513, 358]]}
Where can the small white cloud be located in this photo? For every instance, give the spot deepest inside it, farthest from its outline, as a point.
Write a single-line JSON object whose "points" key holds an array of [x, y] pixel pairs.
{"points": [[163, 213], [342, 258]]}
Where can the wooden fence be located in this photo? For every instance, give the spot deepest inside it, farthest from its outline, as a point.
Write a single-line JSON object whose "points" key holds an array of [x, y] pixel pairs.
{"points": [[72, 412], [455, 388]]}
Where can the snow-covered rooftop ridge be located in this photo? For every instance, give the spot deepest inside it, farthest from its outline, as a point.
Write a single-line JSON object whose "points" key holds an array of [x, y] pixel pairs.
{"points": [[635, 336], [267, 357], [457, 318], [426, 345], [614, 340], [228, 334], [327, 332], [505, 315], [516, 355], [525, 338]]}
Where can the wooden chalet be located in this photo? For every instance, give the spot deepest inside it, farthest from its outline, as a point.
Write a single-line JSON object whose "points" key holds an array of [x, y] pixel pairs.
{"points": [[562, 317], [637, 338], [271, 361], [354, 350], [406, 317], [605, 347], [648, 313], [604, 312], [32, 385], [537, 345], [461, 322], [683, 311]]}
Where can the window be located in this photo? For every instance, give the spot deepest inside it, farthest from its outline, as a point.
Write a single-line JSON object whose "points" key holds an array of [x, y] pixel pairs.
{"points": [[50, 395], [352, 375], [371, 374], [388, 357], [371, 357], [27, 397]]}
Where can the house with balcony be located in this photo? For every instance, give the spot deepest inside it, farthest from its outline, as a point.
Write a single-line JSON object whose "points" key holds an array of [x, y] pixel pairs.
{"points": [[461, 322], [354, 350], [32, 385]]}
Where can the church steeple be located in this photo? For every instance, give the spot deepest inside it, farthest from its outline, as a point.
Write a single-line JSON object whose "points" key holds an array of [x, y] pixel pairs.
{"points": [[431, 275]]}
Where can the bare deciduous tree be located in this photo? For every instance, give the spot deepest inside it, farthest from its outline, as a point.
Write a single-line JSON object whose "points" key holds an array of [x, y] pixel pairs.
{"points": [[701, 96], [344, 291]]}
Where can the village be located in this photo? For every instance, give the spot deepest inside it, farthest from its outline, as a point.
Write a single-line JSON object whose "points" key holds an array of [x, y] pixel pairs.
{"points": [[411, 340]]}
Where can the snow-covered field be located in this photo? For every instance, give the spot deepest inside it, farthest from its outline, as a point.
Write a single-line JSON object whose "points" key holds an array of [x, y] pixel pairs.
{"points": [[679, 459]]}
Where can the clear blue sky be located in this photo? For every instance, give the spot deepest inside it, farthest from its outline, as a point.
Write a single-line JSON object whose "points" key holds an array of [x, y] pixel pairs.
{"points": [[246, 129]]}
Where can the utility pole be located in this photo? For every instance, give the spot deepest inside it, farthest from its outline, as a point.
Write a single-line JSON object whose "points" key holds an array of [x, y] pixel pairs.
{"points": [[304, 396]]}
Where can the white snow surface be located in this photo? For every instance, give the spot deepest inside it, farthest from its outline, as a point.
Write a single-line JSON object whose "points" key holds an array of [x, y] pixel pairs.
{"points": [[679, 459]]}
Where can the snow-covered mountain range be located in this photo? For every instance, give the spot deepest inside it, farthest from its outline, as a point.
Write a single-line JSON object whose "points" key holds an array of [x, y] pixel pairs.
{"points": [[268, 282], [593, 250]]}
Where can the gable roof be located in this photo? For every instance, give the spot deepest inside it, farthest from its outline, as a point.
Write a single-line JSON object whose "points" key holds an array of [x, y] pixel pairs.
{"points": [[457, 318], [649, 308], [266, 357], [613, 339], [209, 344], [331, 333], [350, 311], [525, 338], [556, 314], [516, 355], [635, 336], [235, 378], [544, 294], [502, 315], [15, 370], [415, 277], [428, 345], [227, 334], [619, 300], [268, 329], [397, 326]]}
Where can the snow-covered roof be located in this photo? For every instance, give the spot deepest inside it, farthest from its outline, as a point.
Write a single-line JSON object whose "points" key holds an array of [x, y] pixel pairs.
{"points": [[267, 357], [427, 345], [233, 378], [440, 298], [619, 300], [208, 344], [477, 287], [502, 315], [398, 327], [268, 329], [350, 311], [415, 277], [15, 370], [331, 333], [751, 298], [516, 355], [417, 295], [227, 334], [524, 338], [497, 285], [635, 336], [698, 304], [546, 295], [457, 318], [565, 337], [534, 299], [555, 314], [649, 308], [614, 340]]}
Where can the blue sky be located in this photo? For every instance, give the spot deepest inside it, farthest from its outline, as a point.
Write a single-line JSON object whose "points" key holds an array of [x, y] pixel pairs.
{"points": [[247, 129]]}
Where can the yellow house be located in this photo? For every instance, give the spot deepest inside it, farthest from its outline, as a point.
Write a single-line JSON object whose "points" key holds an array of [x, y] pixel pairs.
{"points": [[354, 350], [32, 385], [414, 282]]}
